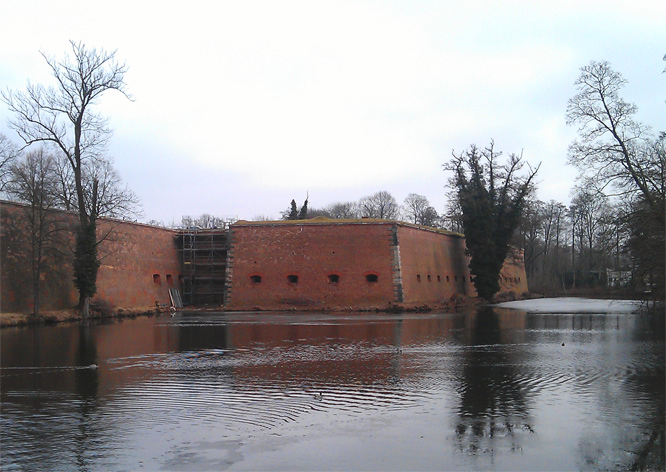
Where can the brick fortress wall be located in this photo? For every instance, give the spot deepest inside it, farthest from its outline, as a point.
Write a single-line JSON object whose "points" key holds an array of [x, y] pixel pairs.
{"points": [[281, 264], [355, 263], [272, 265], [434, 265], [139, 263]]}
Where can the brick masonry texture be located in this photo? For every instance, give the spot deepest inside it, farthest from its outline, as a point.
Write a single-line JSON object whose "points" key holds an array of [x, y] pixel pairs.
{"points": [[139, 263], [352, 254], [434, 265], [280, 265]]}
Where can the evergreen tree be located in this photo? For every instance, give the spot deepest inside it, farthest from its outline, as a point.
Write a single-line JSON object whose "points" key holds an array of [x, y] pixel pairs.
{"points": [[293, 213], [303, 214], [491, 196]]}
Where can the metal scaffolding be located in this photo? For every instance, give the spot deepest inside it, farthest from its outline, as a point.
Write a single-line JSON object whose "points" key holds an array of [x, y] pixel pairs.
{"points": [[204, 263]]}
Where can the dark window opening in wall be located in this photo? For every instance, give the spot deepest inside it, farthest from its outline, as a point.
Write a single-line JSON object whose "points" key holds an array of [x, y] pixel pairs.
{"points": [[156, 279], [518, 279], [418, 277], [439, 278], [372, 278], [169, 280], [447, 278], [255, 279], [292, 279], [333, 279], [429, 279]]}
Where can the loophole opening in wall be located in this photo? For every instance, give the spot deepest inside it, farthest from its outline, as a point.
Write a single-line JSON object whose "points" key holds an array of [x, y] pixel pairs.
{"points": [[255, 279], [169, 280], [333, 278], [292, 279], [156, 279], [372, 278]]}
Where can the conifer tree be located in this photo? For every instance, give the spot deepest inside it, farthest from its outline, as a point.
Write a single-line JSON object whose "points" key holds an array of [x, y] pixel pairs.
{"points": [[293, 214], [303, 214]]}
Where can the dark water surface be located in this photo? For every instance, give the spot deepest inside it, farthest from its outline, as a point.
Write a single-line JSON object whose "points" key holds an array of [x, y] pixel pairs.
{"points": [[556, 385]]}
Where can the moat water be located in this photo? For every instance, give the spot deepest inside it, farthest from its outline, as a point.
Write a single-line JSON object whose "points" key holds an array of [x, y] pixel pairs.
{"points": [[538, 385]]}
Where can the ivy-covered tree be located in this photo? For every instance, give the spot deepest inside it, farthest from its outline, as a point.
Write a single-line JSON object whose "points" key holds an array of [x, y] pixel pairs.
{"points": [[86, 262], [64, 117], [491, 195]]}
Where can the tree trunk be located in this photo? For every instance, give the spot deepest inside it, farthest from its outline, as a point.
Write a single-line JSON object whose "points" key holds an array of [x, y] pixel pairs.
{"points": [[85, 307], [35, 291]]}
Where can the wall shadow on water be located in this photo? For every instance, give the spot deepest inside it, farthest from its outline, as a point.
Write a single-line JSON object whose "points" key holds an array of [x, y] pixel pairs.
{"points": [[493, 410]]}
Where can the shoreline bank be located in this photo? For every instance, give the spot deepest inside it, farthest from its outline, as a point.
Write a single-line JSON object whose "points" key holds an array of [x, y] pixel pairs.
{"points": [[49, 317]]}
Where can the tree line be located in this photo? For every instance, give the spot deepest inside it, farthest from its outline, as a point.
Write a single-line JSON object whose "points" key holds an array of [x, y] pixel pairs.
{"points": [[415, 209], [612, 233]]}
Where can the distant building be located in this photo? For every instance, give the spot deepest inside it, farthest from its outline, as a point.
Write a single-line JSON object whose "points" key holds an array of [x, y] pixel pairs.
{"points": [[618, 278]]}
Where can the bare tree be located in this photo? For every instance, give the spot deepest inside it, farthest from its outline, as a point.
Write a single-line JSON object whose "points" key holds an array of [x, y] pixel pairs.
{"points": [[417, 210], [430, 217], [380, 205], [63, 116], [414, 207], [113, 200], [618, 157], [33, 181], [262, 218], [452, 219], [65, 186], [204, 221], [343, 210], [8, 154], [612, 147]]}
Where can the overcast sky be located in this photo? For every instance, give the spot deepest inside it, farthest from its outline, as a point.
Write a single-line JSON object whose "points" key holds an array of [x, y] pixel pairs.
{"points": [[241, 106]]}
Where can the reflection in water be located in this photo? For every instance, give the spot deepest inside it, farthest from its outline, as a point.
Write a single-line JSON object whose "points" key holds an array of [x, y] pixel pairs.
{"points": [[86, 382], [493, 406], [630, 393], [495, 389]]}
